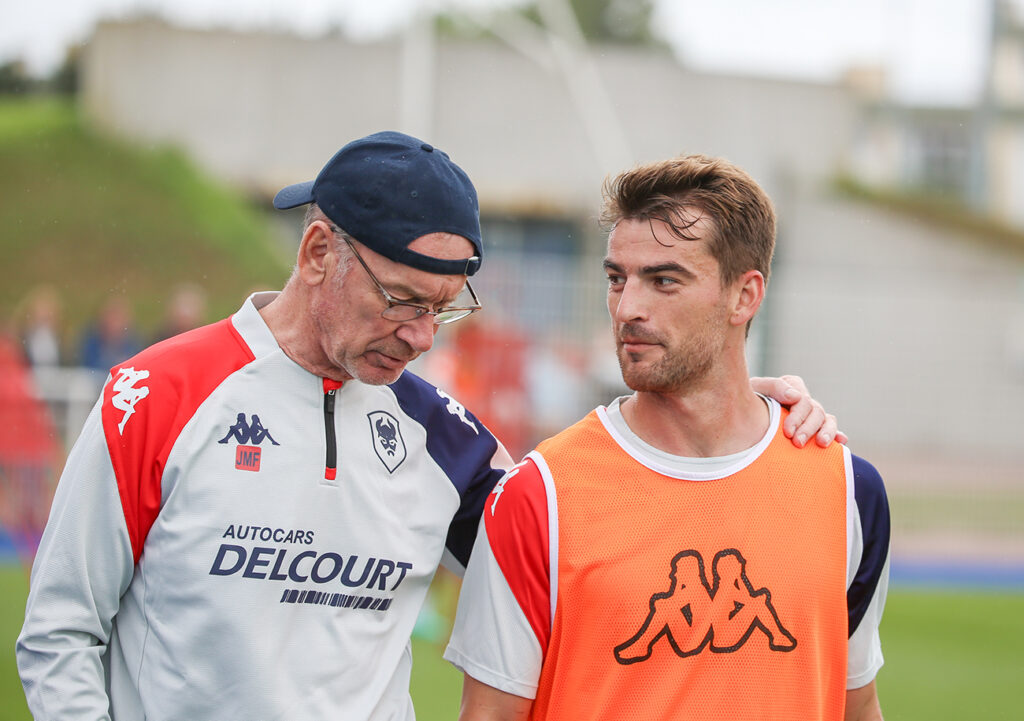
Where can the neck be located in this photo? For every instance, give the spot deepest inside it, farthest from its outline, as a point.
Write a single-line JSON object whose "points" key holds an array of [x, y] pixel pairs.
{"points": [[717, 418], [291, 325]]}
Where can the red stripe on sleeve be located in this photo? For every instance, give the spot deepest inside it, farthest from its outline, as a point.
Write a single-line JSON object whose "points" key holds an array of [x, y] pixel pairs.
{"points": [[516, 519], [147, 402]]}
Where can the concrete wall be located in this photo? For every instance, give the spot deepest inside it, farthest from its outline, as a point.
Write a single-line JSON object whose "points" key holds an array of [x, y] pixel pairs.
{"points": [[265, 110], [913, 332]]}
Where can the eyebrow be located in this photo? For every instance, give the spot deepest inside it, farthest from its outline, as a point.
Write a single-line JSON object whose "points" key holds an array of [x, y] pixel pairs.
{"points": [[653, 269], [406, 294]]}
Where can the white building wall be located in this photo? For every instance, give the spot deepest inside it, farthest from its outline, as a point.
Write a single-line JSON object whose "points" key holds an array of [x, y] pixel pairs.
{"points": [[911, 330], [264, 110]]}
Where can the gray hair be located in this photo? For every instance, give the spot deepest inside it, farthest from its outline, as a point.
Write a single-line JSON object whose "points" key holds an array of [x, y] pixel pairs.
{"points": [[338, 235]]}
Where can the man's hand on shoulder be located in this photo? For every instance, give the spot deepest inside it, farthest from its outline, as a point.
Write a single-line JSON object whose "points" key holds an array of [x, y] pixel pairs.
{"points": [[807, 417]]}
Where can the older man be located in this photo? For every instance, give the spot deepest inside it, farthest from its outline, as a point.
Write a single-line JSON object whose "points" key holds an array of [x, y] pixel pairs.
{"points": [[250, 520]]}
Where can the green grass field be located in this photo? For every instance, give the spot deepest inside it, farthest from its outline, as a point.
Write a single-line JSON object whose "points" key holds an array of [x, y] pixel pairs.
{"points": [[950, 654]]}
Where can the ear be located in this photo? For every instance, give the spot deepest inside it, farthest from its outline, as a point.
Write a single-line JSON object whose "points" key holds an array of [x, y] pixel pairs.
{"points": [[314, 248], [747, 298]]}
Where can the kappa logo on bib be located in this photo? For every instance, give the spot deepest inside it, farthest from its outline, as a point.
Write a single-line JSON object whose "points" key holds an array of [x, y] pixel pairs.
{"points": [[387, 439], [696, 615]]}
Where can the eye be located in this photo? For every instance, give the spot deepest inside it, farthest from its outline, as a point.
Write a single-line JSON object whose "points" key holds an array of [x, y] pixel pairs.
{"points": [[615, 279], [664, 281]]}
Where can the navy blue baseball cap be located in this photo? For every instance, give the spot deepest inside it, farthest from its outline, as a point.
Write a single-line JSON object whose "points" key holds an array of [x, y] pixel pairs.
{"points": [[388, 189]]}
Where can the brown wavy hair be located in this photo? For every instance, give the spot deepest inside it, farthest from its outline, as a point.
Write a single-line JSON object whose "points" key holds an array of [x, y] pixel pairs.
{"points": [[682, 190]]}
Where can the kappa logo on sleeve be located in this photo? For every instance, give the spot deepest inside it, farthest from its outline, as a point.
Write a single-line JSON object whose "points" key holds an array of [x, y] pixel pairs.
{"points": [[126, 395], [458, 410], [499, 487], [387, 439], [249, 435], [694, 615]]}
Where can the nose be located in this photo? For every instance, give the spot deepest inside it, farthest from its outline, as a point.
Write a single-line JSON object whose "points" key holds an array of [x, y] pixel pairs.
{"points": [[628, 303], [418, 333]]}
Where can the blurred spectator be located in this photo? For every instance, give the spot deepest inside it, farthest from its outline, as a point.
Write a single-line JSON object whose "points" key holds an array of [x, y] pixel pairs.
{"points": [[111, 338], [30, 456], [489, 377], [38, 327], [186, 310], [556, 380]]}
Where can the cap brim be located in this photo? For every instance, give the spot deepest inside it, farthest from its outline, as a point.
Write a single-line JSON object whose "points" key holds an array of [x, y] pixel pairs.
{"points": [[294, 195]]}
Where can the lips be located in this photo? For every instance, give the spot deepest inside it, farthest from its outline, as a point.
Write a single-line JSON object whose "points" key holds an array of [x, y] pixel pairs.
{"points": [[390, 361], [636, 350], [631, 337]]}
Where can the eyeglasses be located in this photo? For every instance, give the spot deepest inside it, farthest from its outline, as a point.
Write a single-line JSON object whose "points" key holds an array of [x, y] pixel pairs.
{"points": [[399, 310]]}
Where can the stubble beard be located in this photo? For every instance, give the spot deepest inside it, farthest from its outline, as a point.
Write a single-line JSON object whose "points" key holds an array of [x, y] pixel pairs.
{"points": [[678, 368]]}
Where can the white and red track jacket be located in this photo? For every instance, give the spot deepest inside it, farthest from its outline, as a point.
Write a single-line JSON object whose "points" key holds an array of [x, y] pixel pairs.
{"points": [[234, 538]]}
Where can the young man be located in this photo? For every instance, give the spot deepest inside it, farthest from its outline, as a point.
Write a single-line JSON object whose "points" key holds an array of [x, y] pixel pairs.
{"points": [[672, 555], [249, 523]]}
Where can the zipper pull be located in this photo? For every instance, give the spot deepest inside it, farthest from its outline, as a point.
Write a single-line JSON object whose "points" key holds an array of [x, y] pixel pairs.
{"points": [[330, 393]]}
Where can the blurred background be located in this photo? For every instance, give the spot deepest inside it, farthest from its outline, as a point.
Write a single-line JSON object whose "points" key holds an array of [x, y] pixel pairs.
{"points": [[142, 140]]}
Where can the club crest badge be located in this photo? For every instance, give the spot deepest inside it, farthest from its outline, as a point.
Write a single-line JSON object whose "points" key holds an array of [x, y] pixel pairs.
{"points": [[387, 439]]}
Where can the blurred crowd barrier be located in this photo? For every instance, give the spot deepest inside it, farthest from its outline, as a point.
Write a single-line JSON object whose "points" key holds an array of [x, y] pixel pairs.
{"points": [[960, 522], [69, 393], [31, 453]]}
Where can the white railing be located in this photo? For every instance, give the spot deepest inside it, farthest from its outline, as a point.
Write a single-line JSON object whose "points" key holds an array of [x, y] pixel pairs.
{"points": [[70, 392]]}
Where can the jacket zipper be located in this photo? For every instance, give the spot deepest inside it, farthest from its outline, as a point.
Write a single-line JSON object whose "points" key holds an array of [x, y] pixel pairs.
{"points": [[330, 393]]}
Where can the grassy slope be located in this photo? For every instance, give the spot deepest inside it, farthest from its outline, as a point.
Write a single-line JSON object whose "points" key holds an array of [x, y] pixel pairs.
{"points": [[94, 217]]}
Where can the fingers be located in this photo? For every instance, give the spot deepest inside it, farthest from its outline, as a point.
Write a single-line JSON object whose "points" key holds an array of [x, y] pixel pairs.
{"points": [[817, 423], [781, 389], [828, 431], [798, 383], [807, 417]]}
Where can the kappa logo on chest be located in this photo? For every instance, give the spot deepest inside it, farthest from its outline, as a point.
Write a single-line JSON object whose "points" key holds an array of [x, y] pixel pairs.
{"points": [[249, 435]]}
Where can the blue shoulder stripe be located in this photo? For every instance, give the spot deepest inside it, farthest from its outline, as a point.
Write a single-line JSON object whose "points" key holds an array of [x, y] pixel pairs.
{"points": [[873, 508], [461, 446]]}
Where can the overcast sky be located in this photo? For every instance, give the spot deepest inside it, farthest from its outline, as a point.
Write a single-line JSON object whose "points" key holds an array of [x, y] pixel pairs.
{"points": [[933, 50]]}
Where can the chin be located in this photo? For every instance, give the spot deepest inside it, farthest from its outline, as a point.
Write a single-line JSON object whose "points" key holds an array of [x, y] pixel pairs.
{"points": [[642, 385], [379, 379], [635, 378], [379, 376], [653, 381]]}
